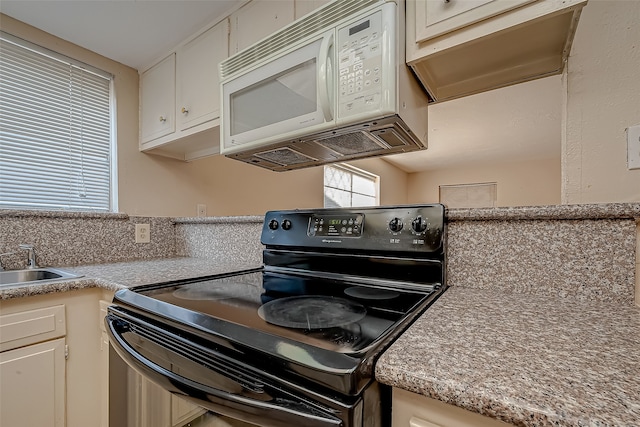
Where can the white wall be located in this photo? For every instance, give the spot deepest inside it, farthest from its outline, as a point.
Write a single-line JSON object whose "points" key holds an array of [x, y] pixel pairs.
{"points": [[602, 99], [518, 183], [231, 187]]}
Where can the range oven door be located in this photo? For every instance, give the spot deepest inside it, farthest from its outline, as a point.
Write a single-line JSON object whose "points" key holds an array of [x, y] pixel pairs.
{"points": [[216, 381]]}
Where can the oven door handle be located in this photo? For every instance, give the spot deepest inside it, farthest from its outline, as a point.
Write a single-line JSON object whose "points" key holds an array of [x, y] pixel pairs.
{"points": [[234, 405]]}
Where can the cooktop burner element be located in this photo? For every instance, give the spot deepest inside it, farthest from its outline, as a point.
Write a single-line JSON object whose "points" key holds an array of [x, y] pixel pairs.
{"points": [[311, 312], [361, 292]]}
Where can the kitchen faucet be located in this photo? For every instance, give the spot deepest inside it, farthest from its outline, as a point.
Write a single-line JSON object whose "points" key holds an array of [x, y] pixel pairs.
{"points": [[31, 256]]}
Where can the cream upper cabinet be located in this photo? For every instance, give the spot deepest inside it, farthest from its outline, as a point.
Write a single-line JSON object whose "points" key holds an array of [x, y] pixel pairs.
{"points": [[197, 86], [180, 98], [462, 47], [414, 410], [305, 6], [257, 19], [157, 100], [435, 17]]}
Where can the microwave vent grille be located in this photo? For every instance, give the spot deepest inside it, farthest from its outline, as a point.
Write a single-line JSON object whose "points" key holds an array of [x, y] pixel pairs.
{"points": [[285, 156], [319, 20], [352, 143]]}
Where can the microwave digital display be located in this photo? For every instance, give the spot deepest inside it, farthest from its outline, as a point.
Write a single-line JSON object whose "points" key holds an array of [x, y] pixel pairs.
{"points": [[356, 29]]}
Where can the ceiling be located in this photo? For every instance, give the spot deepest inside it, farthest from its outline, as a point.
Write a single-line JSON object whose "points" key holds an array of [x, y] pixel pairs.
{"points": [[132, 32], [517, 123]]}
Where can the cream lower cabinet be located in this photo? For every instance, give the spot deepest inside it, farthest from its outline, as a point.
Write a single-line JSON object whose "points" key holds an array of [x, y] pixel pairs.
{"points": [[32, 367], [52, 370], [414, 410], [32, 385], [155, 407]]}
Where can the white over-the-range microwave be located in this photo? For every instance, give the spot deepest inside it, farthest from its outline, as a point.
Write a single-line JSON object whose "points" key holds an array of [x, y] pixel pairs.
{"points": [[332, 86]]}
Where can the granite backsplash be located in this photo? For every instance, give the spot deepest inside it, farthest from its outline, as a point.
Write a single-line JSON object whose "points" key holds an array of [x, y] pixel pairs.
{"points": [[587, 252], [75, 238]]}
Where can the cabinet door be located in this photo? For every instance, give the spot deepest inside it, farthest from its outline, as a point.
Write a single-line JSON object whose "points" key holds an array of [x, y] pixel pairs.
{"points": [[32, 385], [155, 404], [258, 19], [157, 100], [198, 88], [414, 410], [183, 411], [437, 17], [305, 6], [104, 366]]}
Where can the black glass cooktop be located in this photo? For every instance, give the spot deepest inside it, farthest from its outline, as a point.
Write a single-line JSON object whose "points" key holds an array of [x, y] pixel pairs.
{"points": [[338, 315]]}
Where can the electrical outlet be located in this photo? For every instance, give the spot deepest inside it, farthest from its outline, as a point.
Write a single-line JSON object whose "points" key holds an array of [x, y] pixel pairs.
{"points": [[143, 233], [633, 147], [202, 210]]}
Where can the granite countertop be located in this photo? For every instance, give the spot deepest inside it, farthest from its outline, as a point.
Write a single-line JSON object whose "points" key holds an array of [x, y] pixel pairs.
{"points": [[525, 359], [529, 360], [121, 275]]}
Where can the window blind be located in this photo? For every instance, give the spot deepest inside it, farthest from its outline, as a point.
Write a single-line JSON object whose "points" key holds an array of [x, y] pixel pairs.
{"points": [[56, 148]]}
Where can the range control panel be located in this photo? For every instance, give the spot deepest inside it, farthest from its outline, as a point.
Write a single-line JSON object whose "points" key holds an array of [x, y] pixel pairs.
{"points": [[346, 225], [415, 228]]}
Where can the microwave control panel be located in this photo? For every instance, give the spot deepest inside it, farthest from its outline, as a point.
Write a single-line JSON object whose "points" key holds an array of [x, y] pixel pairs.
{"points": [[359, 48]]}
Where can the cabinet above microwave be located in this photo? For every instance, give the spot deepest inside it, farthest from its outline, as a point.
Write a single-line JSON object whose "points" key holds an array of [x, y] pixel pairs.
{"points": [[462, 47]]}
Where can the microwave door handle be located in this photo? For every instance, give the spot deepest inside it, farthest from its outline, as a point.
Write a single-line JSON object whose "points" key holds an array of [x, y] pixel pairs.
{"points": [[325, 77]]}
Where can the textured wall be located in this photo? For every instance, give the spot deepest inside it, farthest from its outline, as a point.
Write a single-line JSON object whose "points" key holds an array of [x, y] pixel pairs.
{"points": [[602, 100]]}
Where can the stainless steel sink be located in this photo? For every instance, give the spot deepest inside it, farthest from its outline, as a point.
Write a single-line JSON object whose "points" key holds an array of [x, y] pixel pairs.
{"points": [[21, 277]]}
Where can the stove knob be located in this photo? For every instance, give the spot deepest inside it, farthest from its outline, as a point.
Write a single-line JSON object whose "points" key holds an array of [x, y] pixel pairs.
{"points": [[419, 224], [273, 224], [395, 225], [286, 224]]}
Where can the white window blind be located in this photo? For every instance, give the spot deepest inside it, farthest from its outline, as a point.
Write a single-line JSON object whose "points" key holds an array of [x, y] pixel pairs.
{"points": [[346, 186], [56, 148]]}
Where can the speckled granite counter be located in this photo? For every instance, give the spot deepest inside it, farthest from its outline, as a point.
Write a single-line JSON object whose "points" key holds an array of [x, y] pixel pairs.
{"points": [[125, 274], [525, 359]]}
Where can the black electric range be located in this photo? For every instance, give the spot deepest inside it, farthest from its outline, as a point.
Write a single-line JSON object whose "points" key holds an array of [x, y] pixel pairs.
{"points": [[295, 341]]}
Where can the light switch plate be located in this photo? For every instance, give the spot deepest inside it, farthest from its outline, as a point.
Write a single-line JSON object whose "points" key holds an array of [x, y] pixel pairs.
{"points": [[633, 147]]}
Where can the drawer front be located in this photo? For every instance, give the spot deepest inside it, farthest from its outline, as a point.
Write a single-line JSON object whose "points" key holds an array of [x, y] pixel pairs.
{"points": [[32, 326]]}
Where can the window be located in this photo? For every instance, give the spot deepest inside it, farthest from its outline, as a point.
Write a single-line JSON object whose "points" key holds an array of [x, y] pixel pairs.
{"points": [[56, 122], [346, 186]]}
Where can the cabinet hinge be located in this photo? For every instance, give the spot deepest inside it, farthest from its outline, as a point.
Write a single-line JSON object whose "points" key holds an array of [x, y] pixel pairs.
{"points": [[66, 352]]}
